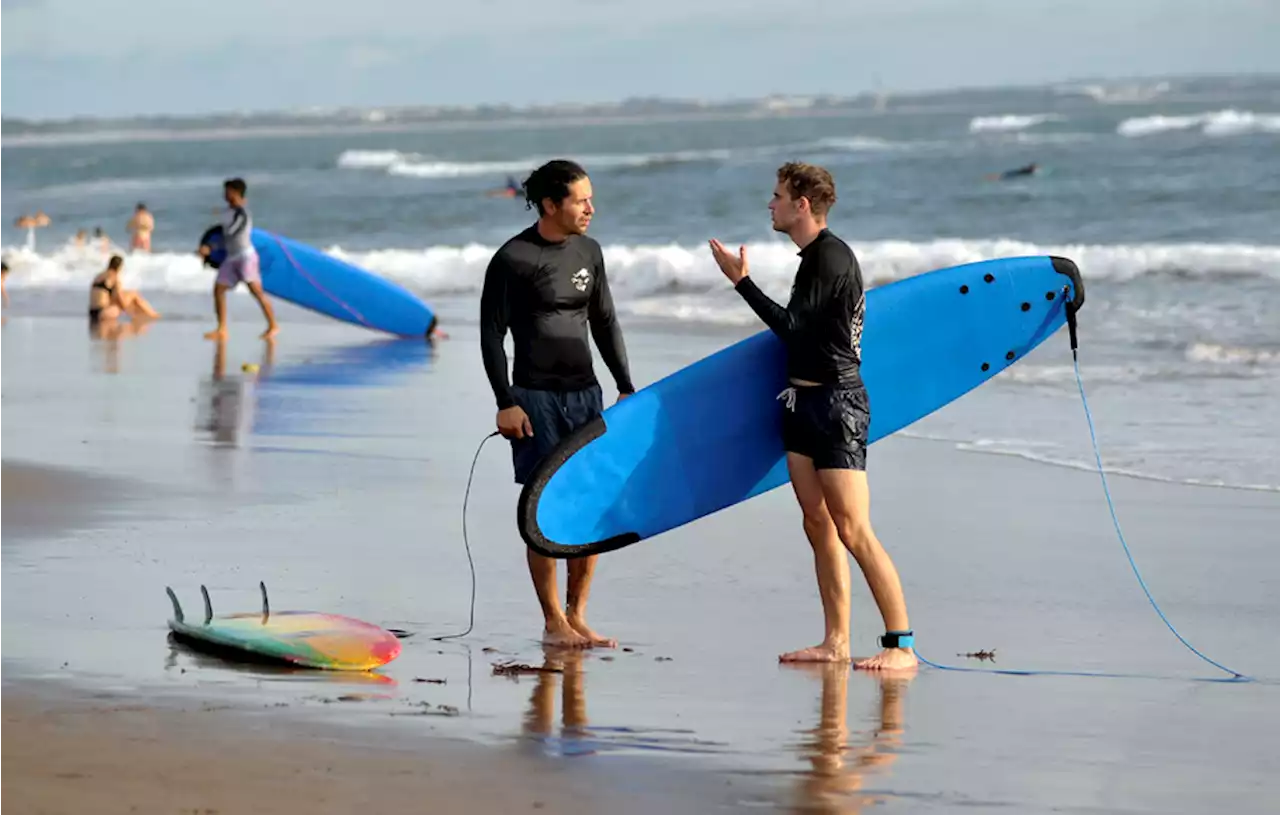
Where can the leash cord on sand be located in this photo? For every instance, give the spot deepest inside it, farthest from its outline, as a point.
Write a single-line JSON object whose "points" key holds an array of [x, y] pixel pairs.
{"points": [[471, 620], [1235, 675]]}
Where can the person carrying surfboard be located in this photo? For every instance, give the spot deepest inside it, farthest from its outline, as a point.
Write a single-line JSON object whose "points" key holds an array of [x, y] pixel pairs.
{"points": [[241, 263], [826, 413], [547, 285]]}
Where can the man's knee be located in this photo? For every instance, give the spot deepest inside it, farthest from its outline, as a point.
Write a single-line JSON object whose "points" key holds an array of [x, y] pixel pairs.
{"points": [[855, 532]]}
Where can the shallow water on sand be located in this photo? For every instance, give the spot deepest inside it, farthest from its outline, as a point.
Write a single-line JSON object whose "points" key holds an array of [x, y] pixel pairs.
{"points": [[336, 473]]}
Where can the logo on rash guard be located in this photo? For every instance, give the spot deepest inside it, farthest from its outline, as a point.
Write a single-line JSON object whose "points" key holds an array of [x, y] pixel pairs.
{"points": [[855, 328], [580, 279]]}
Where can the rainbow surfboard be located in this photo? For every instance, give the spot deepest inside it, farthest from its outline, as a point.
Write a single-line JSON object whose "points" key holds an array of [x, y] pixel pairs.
{"points": [[307, 639]]}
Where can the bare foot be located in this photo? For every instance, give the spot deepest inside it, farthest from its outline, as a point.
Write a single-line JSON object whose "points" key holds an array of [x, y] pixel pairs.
{"points": [[270, 332], [216, 334], [564, 637], [890, 659], [825, 652], [595, 639]]}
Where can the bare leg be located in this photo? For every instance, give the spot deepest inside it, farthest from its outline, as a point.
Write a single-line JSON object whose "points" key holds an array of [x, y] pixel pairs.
{"points": [[137, 304], [579, 586], [849, 502], [219, 308], [556, 630], [258, 294], [829, 561]]}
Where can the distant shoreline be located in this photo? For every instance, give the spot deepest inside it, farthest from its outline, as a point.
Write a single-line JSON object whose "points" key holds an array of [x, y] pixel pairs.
{"points": [[22, 132]]}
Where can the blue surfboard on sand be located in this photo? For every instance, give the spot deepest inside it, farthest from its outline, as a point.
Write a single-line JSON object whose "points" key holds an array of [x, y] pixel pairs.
{"points": [[307, 277], [709, 436]]}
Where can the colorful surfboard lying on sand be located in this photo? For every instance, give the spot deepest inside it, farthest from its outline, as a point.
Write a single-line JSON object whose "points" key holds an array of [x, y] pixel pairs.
{"points": [[709, 436], [307, 277], [303, 638]]}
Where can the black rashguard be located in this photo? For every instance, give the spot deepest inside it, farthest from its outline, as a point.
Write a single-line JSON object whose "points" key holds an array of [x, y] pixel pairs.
{"points": [[822, 324], [547, 293]]}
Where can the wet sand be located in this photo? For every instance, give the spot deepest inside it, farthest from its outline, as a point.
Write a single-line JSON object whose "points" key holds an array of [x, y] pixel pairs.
{"points": [[336, 472], [114, 754]]}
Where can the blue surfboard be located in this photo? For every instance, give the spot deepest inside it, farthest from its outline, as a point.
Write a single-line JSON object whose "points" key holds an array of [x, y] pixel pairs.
{"points": [[307, 277], [709, 436]]}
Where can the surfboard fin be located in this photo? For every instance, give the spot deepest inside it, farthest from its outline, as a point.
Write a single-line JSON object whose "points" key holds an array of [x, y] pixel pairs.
{"points": [[177, 607], [266, 607], [208, 607]]}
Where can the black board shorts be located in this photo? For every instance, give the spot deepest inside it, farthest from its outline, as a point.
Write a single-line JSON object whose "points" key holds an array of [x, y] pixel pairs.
{"points": [[827, 423], [554, 415]]}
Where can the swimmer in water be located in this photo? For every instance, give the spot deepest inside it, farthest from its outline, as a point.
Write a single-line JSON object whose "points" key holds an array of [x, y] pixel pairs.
{"points": [[141, 225], [31, 223]]}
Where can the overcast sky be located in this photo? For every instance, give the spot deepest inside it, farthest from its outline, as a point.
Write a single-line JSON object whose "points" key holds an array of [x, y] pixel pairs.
{"points": [[121, 57]]}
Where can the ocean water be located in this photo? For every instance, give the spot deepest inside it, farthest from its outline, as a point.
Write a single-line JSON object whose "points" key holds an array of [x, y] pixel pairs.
{"points": [[1169, 202]]}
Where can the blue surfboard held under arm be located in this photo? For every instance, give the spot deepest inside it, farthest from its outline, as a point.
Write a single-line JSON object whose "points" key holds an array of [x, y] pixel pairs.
{"points": [[308, 277], [709, 436]]}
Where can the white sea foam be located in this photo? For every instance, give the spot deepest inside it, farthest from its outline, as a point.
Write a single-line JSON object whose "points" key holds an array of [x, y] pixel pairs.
{"points": [[1218, 123], [1010, 121], [663, 271]]}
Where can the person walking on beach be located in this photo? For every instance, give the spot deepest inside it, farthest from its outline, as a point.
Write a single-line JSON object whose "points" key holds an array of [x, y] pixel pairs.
{"points": [[241, 263], [140, 226], [547, 285], [826, 412]]}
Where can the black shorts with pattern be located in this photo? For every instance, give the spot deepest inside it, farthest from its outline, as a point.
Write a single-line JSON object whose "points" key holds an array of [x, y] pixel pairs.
{"points": [[827, 423]]}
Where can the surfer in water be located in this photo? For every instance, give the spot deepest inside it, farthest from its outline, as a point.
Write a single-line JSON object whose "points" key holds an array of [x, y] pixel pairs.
{"points": [[1017, 172], [546, 285], [241, 263], [511, 190], [826, 413]]}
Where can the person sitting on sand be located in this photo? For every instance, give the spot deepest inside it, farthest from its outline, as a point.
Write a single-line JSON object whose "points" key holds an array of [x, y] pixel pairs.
{"points": [[108, 298]]}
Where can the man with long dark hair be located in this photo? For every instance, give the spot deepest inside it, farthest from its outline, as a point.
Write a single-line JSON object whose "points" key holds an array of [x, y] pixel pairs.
{"points": [[547, 285]]}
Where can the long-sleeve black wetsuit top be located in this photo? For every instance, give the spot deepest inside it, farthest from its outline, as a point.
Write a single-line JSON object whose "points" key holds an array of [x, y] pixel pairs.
{"points": [[547, 293], [822, 324]]}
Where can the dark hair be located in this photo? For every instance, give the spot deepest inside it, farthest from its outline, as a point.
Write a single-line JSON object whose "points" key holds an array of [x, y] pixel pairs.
{"points": [[141, 206], [812, 182], [4, 265], [116, 262], [551, 180], [236, 184]]}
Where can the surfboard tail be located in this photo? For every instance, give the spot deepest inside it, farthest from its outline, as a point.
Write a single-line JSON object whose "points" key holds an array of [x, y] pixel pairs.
{"points": [[527, 506], [1067, 268]]}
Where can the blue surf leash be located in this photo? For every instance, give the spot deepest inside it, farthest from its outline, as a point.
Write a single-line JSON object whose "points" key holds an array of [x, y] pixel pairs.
{"points": [[1236, 676]]}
